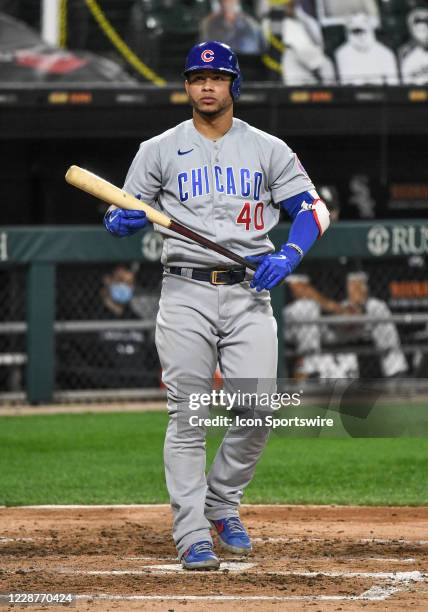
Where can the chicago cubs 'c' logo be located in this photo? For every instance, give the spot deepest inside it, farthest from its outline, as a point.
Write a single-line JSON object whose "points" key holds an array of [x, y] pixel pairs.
{"points": [[207, 55]]}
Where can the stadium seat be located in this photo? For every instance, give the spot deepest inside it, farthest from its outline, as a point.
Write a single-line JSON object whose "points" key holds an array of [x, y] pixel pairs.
{"points": [[162, 32]]}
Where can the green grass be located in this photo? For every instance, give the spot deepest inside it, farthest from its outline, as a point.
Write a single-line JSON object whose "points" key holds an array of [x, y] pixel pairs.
{"points": [[117, 458]]}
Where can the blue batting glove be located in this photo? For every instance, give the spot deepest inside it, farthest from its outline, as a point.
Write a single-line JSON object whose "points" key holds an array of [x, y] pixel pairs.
{"points": [[120, 222], [273, 268]]}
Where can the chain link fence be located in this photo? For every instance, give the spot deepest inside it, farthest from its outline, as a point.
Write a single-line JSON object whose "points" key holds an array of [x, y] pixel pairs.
{"points": [[105, 332], [357, 319], [101, 345], [344, 318], [12, 328]]}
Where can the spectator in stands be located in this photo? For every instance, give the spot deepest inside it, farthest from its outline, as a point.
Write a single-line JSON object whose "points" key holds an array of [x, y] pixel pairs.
{"points": [[231, 25], [362, 59], [308, 338], [117, 292], [343, 9], [302, 328], [303, 60], [383, 333], [263, 7], [116, 357], [414, 54]]}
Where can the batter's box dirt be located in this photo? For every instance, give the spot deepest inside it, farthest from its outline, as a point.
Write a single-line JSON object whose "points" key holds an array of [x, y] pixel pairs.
{"points": [[315, 558]]}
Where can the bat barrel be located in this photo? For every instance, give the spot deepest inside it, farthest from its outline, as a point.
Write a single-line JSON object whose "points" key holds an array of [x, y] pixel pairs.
{"points": [[103, 190]]}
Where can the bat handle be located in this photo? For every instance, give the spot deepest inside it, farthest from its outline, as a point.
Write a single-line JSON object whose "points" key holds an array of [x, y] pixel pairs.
{"points": [[205, 242], [250, 266]]}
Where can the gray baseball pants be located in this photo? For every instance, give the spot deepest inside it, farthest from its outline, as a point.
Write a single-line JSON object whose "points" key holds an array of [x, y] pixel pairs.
{"points": [[199, 325]]}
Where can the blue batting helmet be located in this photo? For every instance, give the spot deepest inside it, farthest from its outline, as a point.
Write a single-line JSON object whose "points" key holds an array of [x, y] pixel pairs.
{"points": [[214, 55]]}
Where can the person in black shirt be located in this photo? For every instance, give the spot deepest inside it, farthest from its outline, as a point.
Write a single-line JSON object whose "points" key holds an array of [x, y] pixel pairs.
{"points": [[116, 356]]}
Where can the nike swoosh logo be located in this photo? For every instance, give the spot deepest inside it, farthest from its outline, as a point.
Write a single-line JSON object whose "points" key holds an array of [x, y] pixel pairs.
{"points": [[184, 152], [113, 217]]}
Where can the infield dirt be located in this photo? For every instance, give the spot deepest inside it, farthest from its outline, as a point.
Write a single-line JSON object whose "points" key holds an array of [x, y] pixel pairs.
{"points": [[304, 558]]}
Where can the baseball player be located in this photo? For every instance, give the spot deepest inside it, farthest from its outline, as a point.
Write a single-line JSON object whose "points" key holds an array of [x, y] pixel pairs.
{"points": [[227, 180]]}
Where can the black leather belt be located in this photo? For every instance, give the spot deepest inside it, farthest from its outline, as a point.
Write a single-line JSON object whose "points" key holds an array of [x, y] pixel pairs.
{"points": [[215, 277]]}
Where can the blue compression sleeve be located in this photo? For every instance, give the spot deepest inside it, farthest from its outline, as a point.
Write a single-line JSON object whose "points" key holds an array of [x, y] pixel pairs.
{"points": [[304, 230]]}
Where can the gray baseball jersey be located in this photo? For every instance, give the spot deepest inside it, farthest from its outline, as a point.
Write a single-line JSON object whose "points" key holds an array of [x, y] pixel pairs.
{"points": [[227, 190]]}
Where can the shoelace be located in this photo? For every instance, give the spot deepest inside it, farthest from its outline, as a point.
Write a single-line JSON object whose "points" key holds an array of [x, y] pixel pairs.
{"points": [[202, 547], [235, 525]]}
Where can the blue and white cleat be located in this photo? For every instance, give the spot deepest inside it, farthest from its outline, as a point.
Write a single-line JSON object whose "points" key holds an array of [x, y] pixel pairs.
{"points": [[233, 535], [200, 556]]}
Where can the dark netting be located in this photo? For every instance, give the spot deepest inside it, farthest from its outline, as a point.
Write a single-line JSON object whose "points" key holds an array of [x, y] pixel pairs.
{"points": [[12, 328], [102, 343], [342, 318], [362, 319]]}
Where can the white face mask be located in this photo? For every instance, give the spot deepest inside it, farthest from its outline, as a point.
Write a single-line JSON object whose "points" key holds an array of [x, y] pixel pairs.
{"points": [[420, 33], [121, 293], [361, 38], [417, 23]]}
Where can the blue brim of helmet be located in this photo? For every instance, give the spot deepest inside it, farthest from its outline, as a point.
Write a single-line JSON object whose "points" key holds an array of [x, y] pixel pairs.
{"points": [[213, 68]]}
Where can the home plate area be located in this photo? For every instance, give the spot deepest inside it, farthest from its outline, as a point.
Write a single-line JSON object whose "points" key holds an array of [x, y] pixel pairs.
{"points": [[304, 558]]}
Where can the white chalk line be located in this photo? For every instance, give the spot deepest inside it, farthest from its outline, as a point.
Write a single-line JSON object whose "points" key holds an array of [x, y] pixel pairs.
{"points": [[377, 595], [8, 540], [293, 559], [149, 558], [403, 577], [366, 559], [285, 540], [160, 570], [414, 576], [393, 541], [157, 570], [399, 580]]}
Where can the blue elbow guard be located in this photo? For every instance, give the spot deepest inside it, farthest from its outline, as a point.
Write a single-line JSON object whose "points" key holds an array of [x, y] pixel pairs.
{"points": [[310, 220]]}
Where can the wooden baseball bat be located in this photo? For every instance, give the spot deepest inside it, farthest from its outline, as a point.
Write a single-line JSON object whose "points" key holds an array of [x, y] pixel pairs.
{"points": [[103, 190]]}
